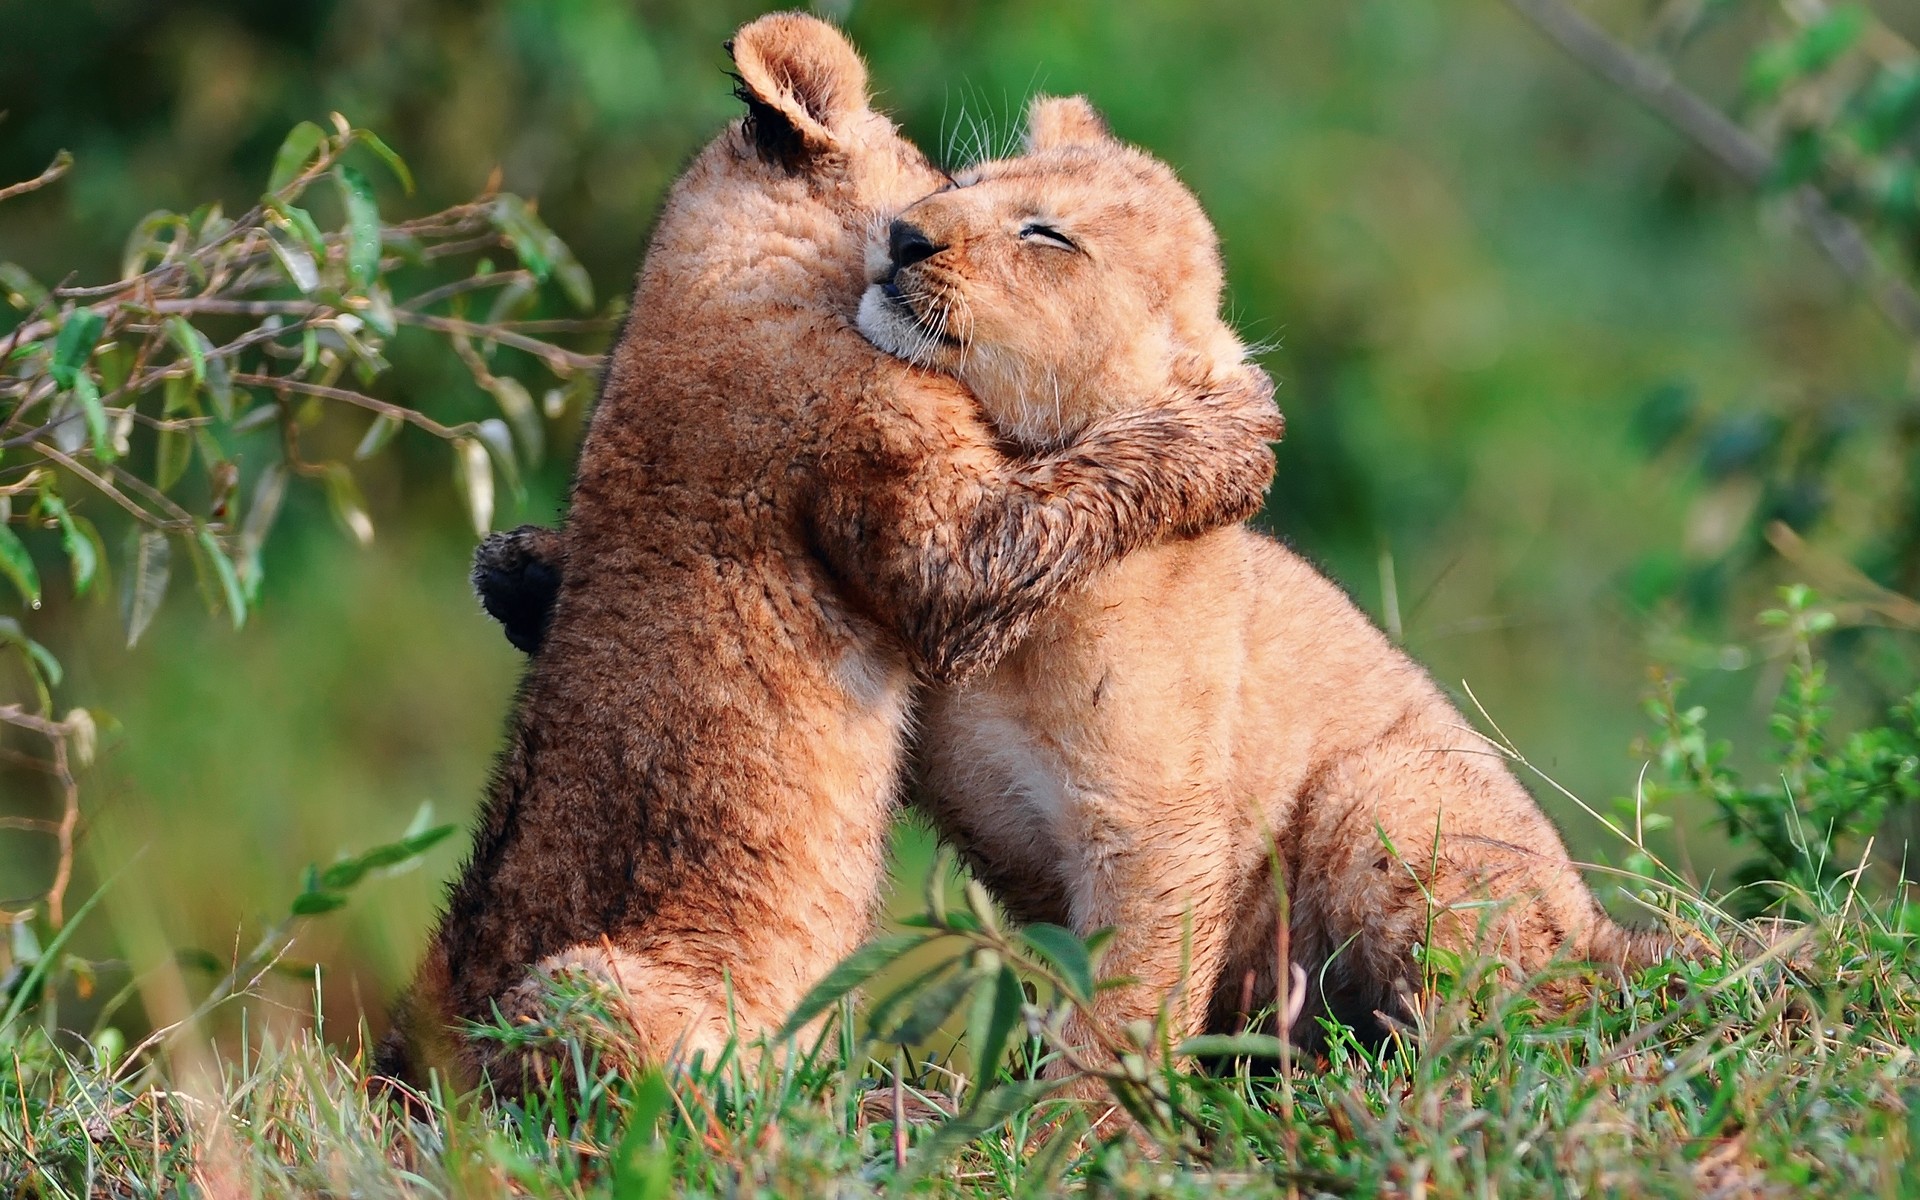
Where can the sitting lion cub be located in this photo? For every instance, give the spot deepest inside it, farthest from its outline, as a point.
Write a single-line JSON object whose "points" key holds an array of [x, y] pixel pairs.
{"points": [[1203, 711]]}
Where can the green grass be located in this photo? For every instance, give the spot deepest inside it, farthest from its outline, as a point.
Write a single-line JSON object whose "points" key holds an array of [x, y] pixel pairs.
{"points": [[1712, 1077]]}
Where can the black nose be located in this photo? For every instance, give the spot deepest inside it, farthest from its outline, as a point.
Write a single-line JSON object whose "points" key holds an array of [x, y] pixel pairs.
{"points": [[908, 245]]}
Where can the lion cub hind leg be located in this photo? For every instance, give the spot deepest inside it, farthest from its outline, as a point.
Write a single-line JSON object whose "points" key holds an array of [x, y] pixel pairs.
{"points": [[1423, 838]]}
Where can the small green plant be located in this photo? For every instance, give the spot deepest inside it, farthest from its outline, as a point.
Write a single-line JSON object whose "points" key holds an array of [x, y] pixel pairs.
{"points": [[1806, 830]]}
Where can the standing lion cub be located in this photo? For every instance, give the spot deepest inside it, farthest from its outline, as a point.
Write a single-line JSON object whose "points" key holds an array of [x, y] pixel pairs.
{"points": [[1202, 711], [773, 527]]}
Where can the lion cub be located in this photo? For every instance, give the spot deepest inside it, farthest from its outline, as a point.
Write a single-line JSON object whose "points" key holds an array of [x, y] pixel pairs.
{"points": [[1203, 709], [773, 530]]}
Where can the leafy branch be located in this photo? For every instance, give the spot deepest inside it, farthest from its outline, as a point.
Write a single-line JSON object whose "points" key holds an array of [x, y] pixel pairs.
{"points": [[168, 412]]}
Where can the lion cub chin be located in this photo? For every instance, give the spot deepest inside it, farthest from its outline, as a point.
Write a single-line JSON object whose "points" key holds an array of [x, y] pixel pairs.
{"points": [[1204, 711]]}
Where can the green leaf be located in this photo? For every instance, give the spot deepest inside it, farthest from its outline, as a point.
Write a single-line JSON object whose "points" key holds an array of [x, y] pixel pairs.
{"points": [[1238, 1045], [405, 850], [79, 334], [87, 392], [1802, 154], [498, 440], [82, 558], [301, 223], [235, 599], [996, 1012], [348, 505], [1066, 952], [363, 226], [263, 508], [27, 989], [931, 1008], [199, 960], [312, 904], [295, 259], [17, 565], [191, 343], [531, 240], [1829, 37], [426, 839], [642, 1170], [148, 569], [474, 475], [294, 154], [343, 874], [516, 404], [23, 290], [41, 658], [394, 162], [1888, 106], [852, 971], [377, 436]]}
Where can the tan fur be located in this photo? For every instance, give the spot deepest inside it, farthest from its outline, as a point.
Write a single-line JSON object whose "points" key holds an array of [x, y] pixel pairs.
{"points": [[1203, 709], [772, 527]]}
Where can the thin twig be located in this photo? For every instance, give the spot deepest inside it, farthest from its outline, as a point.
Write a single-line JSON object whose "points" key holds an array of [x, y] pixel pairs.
{"points": [[559, 360], [61, 164], [111, 492], [396, 411], [1655, 87]]}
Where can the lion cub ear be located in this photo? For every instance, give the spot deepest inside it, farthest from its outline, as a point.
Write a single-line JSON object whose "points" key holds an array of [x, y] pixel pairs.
{"points": [[802, 82], [1056, 121]]}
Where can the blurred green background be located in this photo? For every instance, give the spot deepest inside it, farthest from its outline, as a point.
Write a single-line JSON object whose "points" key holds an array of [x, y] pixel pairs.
{"points": [[1536, 356]]}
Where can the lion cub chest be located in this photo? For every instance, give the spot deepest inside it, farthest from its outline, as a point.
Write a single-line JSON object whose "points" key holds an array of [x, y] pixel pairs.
{"points": [[1119, 711]]}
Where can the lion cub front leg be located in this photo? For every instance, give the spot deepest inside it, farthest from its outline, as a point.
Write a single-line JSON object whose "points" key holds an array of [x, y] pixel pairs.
{"points": [[960, 547], [1163, 883]]}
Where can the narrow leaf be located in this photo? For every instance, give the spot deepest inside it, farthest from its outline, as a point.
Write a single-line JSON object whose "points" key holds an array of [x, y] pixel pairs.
{"points": [[295, 259], [394, 162], [343, 874], [79, 334], [17, 565], [363, 226], [87, 392], [81, 556], [493, 434], [148, 568], [377, 436], [294, 154], [236, 600], [1238, 1045], [932, 1008], [530, 238], [262, 510], [426, 839], [312, 904], [853, 971], [190, 343], [996, 1011], [1066, 952], [349, 506], [474, 474]]}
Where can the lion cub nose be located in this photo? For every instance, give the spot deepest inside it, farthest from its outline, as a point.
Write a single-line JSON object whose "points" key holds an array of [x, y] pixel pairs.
{"points": [[908, 245]]}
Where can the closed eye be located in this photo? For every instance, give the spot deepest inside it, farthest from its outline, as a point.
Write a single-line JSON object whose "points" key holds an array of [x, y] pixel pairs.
{"points": [[1046, 235]]}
